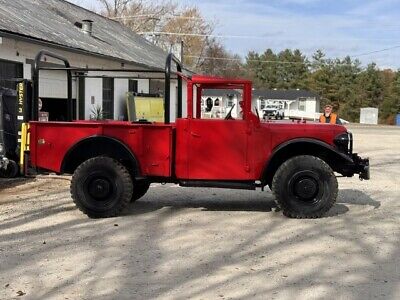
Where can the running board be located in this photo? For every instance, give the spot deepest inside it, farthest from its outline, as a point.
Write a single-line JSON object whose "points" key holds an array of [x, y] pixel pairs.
{"points": [[240, 185]]}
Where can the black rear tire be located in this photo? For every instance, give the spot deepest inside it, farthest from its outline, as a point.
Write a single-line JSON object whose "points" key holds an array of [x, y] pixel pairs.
{"points": [[140, 188], [305, 187], [101, 187]]}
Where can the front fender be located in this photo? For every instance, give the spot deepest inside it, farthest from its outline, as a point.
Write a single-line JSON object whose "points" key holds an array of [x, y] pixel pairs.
{"points": [[304, 146]]}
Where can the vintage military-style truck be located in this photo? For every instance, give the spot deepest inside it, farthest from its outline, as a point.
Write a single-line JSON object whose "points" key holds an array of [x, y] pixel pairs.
{"points": [[114, 162]]}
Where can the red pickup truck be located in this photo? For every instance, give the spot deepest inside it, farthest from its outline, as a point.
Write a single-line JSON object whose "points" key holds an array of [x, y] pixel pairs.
{"points": [[114, 162]]}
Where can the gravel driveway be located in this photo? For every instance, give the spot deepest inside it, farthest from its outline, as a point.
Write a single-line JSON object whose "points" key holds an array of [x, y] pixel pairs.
{"points": [[180, 243]]}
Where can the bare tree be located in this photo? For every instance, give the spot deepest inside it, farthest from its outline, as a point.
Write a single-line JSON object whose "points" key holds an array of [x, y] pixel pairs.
{"points": [[168, 24], [217, 61], [189, 27], [115, 8], [148, 17]]}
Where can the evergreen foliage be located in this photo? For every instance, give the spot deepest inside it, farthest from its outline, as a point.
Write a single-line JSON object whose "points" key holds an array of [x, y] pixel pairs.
{"points": [[340, 82]]}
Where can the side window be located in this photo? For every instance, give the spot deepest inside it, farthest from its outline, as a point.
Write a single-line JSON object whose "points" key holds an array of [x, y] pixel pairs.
{"points": [[216, 102], [302, 104]]}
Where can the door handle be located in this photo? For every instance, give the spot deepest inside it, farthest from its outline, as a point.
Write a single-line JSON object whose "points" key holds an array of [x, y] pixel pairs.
{"points": [[195, 134]]}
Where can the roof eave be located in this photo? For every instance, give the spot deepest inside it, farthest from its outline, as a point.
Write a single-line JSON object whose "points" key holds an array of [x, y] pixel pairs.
{"points": [[25, 38]]}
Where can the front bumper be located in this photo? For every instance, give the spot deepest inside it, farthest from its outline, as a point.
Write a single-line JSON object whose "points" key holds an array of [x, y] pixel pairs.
{"points": [[360, 166]]}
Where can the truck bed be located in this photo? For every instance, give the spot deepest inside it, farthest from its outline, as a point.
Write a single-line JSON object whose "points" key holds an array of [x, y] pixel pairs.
{"points": [[151, 143]]}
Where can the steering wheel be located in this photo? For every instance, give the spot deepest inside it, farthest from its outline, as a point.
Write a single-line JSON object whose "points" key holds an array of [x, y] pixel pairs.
{"points": [[229, 115]]}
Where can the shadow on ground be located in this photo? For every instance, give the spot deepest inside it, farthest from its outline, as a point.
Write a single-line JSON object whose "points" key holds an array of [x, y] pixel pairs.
{"points": [[6, 183], [146, 204], [53, 251]]}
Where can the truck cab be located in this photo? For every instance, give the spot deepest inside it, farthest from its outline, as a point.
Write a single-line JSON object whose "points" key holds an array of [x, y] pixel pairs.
{"points": [[114, 162]]}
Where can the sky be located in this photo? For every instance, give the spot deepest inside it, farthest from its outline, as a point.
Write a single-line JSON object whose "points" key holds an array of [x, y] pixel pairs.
{"points": [[365, 29]]}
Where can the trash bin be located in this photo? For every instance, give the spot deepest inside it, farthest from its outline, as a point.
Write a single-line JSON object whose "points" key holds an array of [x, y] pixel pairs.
{"points": [[398, 119]]}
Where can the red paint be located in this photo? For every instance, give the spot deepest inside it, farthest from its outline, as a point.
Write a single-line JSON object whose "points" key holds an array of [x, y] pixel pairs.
{"points": [[209, 149]]}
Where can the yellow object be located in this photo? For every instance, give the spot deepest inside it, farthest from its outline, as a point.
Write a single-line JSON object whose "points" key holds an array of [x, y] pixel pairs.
{"points": [[149, 108], [25, 139]]}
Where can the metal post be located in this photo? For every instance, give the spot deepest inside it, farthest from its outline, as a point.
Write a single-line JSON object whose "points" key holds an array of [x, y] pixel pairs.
{"points": [[190, 100], [167, 93], [35, 77], [198, 102]]}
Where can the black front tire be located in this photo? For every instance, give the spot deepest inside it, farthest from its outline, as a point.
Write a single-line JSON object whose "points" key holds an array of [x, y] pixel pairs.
{"points": [[305, 187], [101, 187], [140, 188]]}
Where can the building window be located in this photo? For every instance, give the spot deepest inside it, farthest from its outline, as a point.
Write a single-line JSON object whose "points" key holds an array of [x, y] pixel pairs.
{"points": [[302, 104], [9, 71], [230, 100], [81, 97], [133, 86], [209, 104], [108, 98], [156, 87]]}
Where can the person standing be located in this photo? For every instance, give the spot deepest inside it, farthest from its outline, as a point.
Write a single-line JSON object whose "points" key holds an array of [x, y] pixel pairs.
{"points": [[328, 116]]}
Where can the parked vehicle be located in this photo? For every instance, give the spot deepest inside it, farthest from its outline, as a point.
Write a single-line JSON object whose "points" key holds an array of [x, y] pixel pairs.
{"points": [[273, 111], [114, 162]]}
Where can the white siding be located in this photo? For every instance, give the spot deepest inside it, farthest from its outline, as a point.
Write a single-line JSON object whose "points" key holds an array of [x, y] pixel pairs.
{"points": [[311, 105], [93, 94], [143, 85], [53, 83]]}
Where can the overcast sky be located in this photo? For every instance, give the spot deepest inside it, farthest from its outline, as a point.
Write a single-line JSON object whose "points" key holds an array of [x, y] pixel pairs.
{"points": [[339, 28]]}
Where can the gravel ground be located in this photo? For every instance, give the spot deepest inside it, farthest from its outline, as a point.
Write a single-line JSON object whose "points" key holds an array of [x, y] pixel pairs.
{"points": [[178, 243]]}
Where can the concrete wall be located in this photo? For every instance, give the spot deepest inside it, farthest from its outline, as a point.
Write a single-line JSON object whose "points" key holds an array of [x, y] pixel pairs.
{"points": [[53, 83]]}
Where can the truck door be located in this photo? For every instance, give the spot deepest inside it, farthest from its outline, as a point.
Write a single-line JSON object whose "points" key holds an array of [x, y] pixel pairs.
{"points": [[217, 149]]}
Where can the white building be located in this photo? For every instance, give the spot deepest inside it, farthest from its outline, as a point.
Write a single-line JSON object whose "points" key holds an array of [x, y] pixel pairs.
{"points": [[28, 26], [295, 103], [216, 103]]}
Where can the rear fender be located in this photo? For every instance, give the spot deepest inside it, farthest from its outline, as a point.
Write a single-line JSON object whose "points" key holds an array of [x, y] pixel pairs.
{"points": [[97, 146]]}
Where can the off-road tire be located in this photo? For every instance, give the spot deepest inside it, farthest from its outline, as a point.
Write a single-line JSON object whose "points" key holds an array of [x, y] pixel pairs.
{"points": [[305, 187], [101, 187], [140, 188]]}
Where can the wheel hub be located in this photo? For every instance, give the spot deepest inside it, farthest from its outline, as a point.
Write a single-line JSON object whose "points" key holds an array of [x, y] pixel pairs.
{"points": [[99, 188], [306, 188]]}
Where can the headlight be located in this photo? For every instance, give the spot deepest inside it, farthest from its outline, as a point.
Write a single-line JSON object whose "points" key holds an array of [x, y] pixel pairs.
{"points": [[344, 142], [2, 149]]}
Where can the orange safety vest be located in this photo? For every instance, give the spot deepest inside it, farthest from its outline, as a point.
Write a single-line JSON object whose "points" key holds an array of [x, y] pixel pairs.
{"points": [[322, 118]]}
